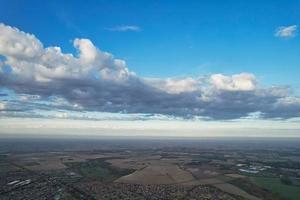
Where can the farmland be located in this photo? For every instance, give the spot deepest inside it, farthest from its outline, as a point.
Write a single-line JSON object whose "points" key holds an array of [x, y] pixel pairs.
{"points": [[114, 170], [276, 186]]}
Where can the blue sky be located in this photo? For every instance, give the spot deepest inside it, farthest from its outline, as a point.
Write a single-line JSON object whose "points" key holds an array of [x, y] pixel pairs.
{"points": [[188, 60], [177, 38]]}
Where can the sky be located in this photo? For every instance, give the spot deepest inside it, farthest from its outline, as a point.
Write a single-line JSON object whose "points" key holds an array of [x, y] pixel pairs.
{"points": [[216, 68]]}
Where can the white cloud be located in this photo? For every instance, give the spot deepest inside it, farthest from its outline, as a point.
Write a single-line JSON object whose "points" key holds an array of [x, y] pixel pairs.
{"points": [[181, 85], [24, 97], [94, 80], [16, 43], [174, 85], [287, 101], [2, 105], [62, 115], [88, 52], [124, 28], [286, 31], [25, 53], [237, 82]]}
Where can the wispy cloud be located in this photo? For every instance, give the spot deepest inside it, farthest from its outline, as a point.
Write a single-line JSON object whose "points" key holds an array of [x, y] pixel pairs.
{"points": [[124, 28], [286, 31]]}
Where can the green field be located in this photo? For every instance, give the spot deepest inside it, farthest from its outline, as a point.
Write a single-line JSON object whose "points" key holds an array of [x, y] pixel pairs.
{"points": [[98, 169], [5, 168], [276, 186]]}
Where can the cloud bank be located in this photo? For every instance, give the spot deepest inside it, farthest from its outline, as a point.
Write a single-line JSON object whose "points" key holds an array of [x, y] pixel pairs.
{"points": [[93, 80]]}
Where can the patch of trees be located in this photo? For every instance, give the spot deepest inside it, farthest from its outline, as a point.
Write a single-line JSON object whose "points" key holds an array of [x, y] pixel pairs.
{"points": [[286, 180]]}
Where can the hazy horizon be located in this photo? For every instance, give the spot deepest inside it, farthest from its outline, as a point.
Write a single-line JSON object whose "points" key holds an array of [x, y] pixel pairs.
{"points": [[171, 69]]}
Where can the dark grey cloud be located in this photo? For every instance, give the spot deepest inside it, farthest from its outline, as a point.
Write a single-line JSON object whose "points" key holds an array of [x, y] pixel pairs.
{"points": [[96, 81]]}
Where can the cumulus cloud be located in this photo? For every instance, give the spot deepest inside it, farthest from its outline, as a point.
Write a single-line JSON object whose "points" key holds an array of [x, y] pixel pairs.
{"points": [[237, 82], [286, 31], [124, 28], [17, 44], [174, 85], [93, 80], [30, 60]]}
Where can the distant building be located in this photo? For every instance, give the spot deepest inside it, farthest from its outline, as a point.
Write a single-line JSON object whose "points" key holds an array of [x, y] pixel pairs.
{"points": [[249, 171]]}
